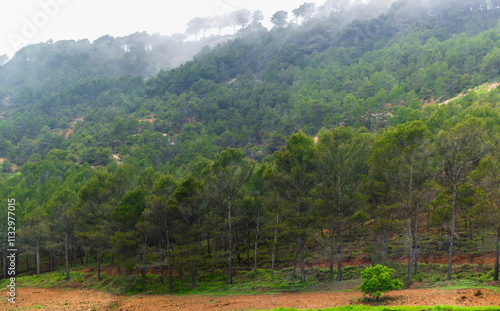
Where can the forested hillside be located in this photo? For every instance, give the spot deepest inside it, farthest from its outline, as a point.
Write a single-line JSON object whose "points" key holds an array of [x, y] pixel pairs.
{"points": [[321, 140]]}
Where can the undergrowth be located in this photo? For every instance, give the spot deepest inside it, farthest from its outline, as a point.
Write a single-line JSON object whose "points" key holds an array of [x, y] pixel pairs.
{"points": [[244, 282]]}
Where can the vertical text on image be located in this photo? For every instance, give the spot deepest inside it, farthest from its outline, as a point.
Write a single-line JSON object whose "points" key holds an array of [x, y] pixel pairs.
{"points": [[11, 249]]}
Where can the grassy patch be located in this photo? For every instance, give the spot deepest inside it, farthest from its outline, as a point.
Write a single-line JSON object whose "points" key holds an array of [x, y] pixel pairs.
{"points": [[245, 282], [398, 308], [51, 279]]}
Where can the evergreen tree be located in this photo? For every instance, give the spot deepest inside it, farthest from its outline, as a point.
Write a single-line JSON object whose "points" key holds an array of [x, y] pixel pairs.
{"points": [[224, 189], [293, 179], [342, 157], [460, 148]]}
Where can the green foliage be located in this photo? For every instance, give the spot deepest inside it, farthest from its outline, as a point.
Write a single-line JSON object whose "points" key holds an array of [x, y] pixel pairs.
{"points": [[378, 280], [161, 170]]}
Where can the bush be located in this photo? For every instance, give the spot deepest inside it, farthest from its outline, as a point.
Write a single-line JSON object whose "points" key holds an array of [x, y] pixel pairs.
{"points": [[377, 280]]}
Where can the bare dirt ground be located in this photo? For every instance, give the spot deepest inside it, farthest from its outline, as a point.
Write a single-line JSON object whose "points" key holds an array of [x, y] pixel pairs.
{"points": [[76, 300]]}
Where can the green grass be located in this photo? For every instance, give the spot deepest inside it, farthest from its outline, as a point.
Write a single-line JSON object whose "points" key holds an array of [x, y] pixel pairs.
{"points": [[36, 307], [51, 279], [317, 280], [244, 282], [366, 308]]}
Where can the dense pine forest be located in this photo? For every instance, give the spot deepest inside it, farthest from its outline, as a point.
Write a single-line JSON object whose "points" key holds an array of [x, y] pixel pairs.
{"points": [[347, 132]]}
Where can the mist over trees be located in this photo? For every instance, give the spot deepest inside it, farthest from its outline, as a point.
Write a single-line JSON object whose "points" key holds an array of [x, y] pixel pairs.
{"points": [[243, 19]]}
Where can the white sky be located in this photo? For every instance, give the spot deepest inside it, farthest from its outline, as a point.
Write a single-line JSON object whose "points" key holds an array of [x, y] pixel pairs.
{"points": [[33, 21]]}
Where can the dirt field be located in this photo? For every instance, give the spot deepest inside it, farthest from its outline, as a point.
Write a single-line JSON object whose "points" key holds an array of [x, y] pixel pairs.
{"points": [[84, 300]]}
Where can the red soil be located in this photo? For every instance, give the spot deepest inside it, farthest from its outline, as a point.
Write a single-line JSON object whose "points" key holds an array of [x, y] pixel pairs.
{"points": [[69, 131], [75, 299], [488, 258]]}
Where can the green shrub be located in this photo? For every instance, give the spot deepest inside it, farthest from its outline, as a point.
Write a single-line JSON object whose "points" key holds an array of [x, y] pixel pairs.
{"points": [[377, 280]]}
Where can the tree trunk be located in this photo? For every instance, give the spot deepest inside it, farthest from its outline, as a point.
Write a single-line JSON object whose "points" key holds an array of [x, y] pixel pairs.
{"points": [[339, 256], [248, 250], [339, 232], [162, 263], [208, 244], [193, 267], [470, 230], [181, 266], [98, 257], [302, 265], [332, 251], [66, 255], [238, 254], [410, 251], [54, 260], [37, 259], [384, 252], [443, 175], [274, 246], [410, 235], [143, 268], [193, 274], [272, 261], [213, 257], [256, 244], [230, 240], [295, 258], [169, 256], [452, 229], [497, 255], [143, 276], [415, 244]]}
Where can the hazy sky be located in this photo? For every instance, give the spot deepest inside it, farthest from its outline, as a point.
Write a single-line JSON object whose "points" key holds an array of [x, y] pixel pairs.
{"points": [[32, 21]]}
